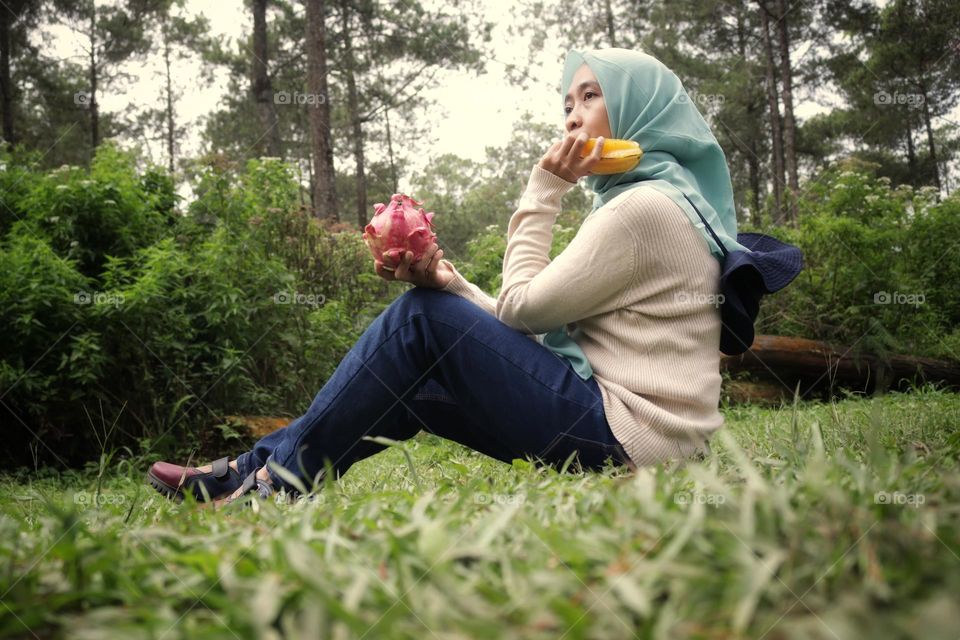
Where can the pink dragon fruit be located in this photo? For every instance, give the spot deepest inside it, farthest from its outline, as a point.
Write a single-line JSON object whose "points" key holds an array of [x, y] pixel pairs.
{"points": [[398, 227]]}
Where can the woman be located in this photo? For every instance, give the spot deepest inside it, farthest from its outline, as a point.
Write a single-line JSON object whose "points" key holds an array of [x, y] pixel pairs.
{"points": [[609, 351]]}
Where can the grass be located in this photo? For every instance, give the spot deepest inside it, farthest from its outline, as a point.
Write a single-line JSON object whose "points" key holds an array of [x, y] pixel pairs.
{"points": [[811, 521]]}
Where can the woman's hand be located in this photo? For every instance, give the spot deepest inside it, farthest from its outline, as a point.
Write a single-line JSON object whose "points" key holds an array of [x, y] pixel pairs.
{"points": [[429, 272], [563, 158]]}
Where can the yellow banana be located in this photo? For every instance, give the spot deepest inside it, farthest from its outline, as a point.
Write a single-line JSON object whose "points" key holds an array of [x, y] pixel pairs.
{"points": [[617, 155]]}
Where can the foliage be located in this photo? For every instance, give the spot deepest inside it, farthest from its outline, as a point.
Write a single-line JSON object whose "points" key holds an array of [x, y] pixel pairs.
{"points": [[879, 267], [243, 305], [88, 215]]}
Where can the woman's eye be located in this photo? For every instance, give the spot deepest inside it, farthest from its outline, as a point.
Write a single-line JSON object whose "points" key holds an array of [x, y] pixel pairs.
{"points": [[588, 93]]}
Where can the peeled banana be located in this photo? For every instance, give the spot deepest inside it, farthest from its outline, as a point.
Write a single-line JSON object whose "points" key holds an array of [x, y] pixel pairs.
{"points": [[617, 155]]}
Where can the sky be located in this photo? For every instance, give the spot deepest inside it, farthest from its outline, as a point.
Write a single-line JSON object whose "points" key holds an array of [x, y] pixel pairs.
{"points": [[468, 114]]}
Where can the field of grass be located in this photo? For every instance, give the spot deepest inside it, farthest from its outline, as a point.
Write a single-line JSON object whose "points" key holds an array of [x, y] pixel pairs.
{"points": [[829, 521]]}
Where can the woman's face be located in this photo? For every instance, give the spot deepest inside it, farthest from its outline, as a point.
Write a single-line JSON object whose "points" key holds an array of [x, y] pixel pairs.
{"points": [[584, 107]]}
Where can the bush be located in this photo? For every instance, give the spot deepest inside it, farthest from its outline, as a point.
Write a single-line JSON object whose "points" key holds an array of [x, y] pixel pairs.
{"points": [[163, 322], [44, 359], [878, 270], [89, 215]]}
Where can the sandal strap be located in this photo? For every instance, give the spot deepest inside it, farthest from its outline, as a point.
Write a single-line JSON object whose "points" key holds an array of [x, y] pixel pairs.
{"points": [[221, 467], [265, 490], [249, 483]]}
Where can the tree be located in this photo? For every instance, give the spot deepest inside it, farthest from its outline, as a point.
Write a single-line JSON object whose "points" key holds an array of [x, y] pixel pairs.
{"points": [[380, 61], [374, 37], [262, 87], [176, 37], [773, 106], [17, 19], [713, 47], [789, 122], [112, 35], [324, 185], [897, 82], [925, 66]]}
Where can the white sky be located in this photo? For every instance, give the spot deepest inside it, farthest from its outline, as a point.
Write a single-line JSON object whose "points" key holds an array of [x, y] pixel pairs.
{"points": [[469, 112]]}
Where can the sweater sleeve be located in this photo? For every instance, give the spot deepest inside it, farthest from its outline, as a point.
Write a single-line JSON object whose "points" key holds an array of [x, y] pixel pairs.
{"points": [[588, 278], [466, 289]]}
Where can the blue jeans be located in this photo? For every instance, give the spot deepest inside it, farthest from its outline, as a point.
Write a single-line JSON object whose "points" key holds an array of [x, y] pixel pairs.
{"points": [[434, 360]]}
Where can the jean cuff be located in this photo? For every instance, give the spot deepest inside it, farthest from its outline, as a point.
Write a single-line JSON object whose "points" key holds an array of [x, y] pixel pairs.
{"points": [[243, 464]]}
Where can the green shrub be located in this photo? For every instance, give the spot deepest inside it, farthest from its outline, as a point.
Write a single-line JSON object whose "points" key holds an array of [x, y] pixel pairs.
{"points": [[46, 359], [165, 322], [89, 215], [879, 267]]}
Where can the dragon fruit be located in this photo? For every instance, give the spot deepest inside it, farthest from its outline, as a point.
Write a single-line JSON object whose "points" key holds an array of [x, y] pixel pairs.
{"points": [[398, 227]]}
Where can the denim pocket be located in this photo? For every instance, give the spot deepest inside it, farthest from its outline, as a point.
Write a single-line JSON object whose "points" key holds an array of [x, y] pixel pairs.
{"points": [[591, 454]]}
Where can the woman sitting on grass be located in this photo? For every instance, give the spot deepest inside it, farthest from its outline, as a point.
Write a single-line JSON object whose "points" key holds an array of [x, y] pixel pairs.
{"points": [[608, 351]]}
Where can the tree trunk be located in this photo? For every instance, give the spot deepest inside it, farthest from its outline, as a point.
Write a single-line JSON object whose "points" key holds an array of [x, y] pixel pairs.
{"points": [[911, 152], [92, 98], [324, 185], [269, 143], [170, 124], [6, 89], [789, 123], [753, 167], [774, 107], [611, 30], [354, 107], [393, 164], [753, 157], [930, 142]]}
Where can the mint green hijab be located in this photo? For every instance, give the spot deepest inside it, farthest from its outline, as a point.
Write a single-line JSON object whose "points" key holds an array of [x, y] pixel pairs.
{"points": [[646, 102]]}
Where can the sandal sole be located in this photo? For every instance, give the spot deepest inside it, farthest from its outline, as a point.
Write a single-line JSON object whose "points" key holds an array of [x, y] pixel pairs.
{"points": [[166, 490], [176, 494]]}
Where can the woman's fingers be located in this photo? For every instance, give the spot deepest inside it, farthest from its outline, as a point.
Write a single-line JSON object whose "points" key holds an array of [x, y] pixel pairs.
{"points": [[595, 155], [428, 261], [578, 143], [384, 273], [567, 145], [421, 273]]}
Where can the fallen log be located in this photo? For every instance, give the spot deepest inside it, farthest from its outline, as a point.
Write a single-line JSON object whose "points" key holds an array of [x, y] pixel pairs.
{"points": [[821, 369]]}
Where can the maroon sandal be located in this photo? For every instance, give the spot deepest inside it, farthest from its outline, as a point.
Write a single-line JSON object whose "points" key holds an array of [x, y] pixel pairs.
{"points": [[173, 480]]}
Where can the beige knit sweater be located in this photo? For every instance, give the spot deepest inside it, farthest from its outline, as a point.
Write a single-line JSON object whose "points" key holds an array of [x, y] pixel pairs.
{"points": [[637, 290]]}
